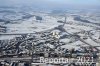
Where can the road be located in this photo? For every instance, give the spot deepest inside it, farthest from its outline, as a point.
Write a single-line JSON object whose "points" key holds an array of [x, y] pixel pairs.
{"points": [[90, 35], [16, 59]]}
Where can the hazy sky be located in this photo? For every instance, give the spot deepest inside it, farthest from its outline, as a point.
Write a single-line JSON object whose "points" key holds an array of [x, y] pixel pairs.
{"points": [[52, 3]]}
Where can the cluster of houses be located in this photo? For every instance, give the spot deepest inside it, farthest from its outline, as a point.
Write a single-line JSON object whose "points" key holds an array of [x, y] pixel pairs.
{"points": [[42, 45]]}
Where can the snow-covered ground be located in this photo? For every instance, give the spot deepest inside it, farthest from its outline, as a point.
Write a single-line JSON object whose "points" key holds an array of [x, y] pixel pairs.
{"points": [[74, 27], [32, 25]]}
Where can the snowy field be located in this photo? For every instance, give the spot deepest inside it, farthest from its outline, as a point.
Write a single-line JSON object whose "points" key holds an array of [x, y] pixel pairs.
{"points": [[25, 22]]}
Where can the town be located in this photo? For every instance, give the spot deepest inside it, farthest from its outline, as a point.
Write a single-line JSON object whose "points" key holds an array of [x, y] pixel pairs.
{"points": [[27, 35]]}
